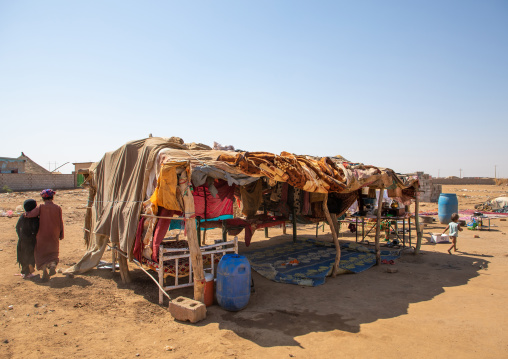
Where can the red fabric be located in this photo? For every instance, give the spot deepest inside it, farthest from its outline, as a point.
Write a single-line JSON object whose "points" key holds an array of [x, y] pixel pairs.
{"points": [[161, 229], [138, 245], [220, 205]]}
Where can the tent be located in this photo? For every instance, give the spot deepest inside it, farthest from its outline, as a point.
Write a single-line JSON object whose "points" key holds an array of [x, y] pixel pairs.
{"points": [[160, 178]]}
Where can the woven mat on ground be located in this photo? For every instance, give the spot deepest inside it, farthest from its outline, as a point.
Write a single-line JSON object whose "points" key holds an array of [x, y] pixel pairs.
{"points": [[308, 262]]}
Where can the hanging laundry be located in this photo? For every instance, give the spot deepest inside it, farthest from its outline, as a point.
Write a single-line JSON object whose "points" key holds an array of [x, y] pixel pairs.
{"points": [[251, 196], [219, 205], [161, 229], [165, 193], [297, 200]]}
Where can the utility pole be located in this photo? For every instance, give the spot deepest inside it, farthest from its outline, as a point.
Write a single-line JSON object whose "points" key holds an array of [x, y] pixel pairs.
{"points": [[495, 171], [438, 173], [460, 170]]}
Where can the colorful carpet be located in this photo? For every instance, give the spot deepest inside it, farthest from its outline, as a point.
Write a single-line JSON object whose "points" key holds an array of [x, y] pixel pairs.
{"points": [[308, 262]]}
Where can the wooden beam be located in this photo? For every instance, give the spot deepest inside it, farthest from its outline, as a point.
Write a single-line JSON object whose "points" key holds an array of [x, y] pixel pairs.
{"points": [[335, 269], [124, 269], [335, 223], [378, 225], [265, 212], [192, 237], [417, 224]]}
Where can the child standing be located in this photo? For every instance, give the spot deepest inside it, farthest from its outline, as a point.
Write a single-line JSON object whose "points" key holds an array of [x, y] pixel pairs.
{"points": [[27, 228], [51, 230], [454, 227]]}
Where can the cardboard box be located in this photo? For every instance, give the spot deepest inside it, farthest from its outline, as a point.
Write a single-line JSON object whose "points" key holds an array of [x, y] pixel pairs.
{"points": [[440, 238]]}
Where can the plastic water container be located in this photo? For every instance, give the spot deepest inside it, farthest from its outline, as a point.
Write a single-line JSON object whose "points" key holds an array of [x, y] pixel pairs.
{"points": [[208, 289], [447, 205], [233, 282]]}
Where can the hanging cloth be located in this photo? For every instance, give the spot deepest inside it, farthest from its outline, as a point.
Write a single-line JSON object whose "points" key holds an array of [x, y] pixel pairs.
{"points": [[252, 196], [221, 204], [167, 183]]}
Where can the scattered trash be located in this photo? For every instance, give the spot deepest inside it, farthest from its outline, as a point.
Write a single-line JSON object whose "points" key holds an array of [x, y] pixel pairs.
{"points": [[11, 307], [6, 341], [476, 236], [391, 270], [169, 348], [293, 262]]}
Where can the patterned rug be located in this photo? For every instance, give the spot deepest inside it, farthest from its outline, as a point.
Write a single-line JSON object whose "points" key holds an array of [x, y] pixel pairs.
{"points": [[308, 262]]}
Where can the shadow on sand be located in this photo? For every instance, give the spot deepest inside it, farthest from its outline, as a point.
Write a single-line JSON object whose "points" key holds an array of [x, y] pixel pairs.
{"points": [[278, 313]]}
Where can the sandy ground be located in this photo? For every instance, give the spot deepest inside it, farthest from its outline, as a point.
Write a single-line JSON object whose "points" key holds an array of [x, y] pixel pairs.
{"points": [[436, 305]]}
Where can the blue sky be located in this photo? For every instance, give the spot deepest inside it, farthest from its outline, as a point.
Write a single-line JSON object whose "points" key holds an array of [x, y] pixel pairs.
{"points": [[410, 85]]}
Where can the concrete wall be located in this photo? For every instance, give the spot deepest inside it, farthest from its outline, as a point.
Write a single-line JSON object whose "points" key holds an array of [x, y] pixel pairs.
{"points": [[460, 181], [31, 182]]}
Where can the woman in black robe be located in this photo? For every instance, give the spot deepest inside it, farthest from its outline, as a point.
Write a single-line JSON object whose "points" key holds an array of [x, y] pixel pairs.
{"points": [[27, 231]]}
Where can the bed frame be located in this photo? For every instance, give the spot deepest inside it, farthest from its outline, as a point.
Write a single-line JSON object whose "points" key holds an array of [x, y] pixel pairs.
{"points": [[175, 254]]}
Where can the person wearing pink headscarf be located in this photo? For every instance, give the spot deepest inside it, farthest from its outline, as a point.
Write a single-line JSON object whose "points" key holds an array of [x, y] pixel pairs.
{"points": [[51, 231]]}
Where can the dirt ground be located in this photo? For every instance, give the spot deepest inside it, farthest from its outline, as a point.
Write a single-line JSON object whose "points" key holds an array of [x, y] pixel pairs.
{"points": [[436, 305]]}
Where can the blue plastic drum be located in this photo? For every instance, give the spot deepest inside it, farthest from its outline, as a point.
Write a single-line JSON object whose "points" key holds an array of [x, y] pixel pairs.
{"points": [[233, 282], [447, 205]]}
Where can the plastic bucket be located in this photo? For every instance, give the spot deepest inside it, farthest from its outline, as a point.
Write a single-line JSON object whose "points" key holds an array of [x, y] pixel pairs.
{"points": [[209, 289]]}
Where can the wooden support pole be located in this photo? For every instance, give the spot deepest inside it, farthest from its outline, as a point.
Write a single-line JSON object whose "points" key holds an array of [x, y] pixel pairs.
{"points": [[114, 255], [284, 228], [335, 269], [88, 216], [335, 223], [192, 237], [294, 223], [265, 212], [378, 225], [417, 224], [224, 232], [124, 269]]}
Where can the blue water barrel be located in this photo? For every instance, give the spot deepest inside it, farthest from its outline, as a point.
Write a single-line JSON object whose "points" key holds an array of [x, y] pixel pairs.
{"points": [[233, 282], [447, 205]]}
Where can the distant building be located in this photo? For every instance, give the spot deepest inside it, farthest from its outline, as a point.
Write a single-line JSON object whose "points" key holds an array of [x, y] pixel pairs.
{"points": [[80, 166], [12, 165], [32, 167]]}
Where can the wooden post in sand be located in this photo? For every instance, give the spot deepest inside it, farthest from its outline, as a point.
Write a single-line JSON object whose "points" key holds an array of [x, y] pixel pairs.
{"points": [[335, 223], [417, 224], [124, 268], [335, 269], [192, 237], [265, 212], [378, 225]]}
